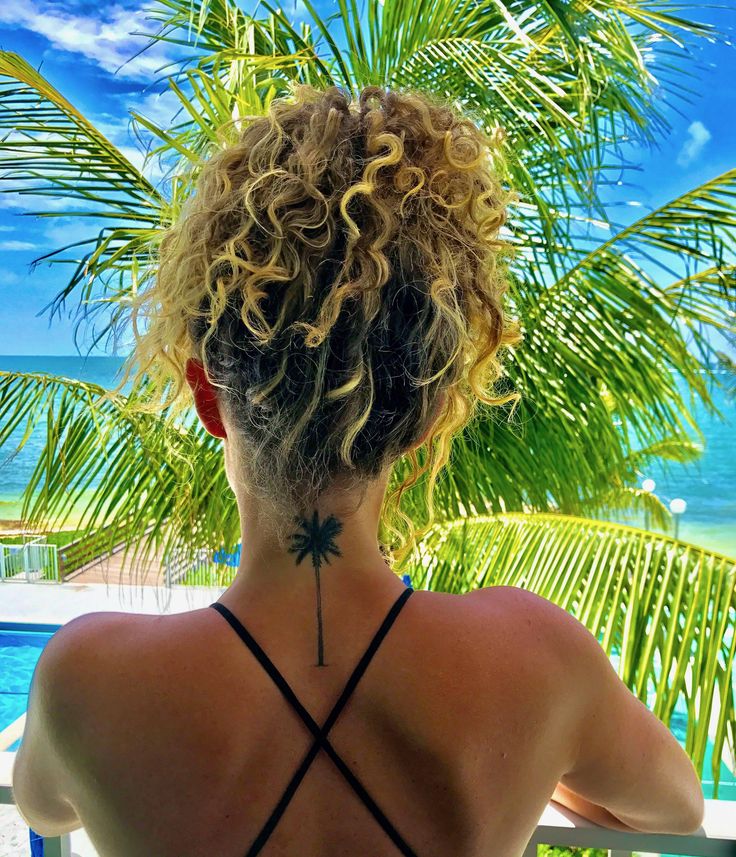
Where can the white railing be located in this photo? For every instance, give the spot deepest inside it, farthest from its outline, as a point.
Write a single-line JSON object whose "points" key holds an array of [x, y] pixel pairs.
{"points": [[182, 562], [557, 826], [716, 838], [34, 562], [31, 562]]}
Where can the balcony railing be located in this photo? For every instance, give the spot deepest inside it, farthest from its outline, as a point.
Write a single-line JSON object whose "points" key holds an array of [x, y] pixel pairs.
{"points": [[558, 826], [33, 562], [716, 838]]}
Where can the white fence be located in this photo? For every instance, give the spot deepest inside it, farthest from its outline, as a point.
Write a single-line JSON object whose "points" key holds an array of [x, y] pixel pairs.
{"points": [[36, 561], [31, 561], [196, 567]]}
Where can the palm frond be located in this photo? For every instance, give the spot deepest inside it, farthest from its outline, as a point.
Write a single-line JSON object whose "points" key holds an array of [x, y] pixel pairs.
{"points": [[213, 101], [52, 148], [49, 149], [697, 226], [103, 455], [570, 84]]}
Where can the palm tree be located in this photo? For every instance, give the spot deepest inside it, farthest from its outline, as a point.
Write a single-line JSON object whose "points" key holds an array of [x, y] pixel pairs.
{"points": [[612, 315], [316, 540]]}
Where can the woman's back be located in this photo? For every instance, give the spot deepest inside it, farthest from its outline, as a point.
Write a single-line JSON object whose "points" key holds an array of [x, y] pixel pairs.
{"points": [[457, 729]]}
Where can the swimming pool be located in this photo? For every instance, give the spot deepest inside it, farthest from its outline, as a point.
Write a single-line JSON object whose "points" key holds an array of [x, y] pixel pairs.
{"points": [[21, 645]]}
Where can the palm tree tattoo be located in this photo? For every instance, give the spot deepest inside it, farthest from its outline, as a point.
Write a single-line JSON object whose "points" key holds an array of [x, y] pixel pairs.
{"points": [[316, 539]]}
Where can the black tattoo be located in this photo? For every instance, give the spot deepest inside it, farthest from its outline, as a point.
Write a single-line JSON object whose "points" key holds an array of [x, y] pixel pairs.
{"points": [[316, 539]]}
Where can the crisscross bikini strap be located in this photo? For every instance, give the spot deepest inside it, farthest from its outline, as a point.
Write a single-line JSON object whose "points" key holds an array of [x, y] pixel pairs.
{"points": [[268, 666], [362, 665], [284, 686], [321, 741]]}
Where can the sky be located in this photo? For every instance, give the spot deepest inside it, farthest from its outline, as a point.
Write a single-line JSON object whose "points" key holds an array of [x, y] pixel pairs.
{"points": [[84, 49]]}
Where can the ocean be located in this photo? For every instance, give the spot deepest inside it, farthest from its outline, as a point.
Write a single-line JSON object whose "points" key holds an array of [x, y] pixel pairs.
{"points": [[708, 485], [15, 470]]}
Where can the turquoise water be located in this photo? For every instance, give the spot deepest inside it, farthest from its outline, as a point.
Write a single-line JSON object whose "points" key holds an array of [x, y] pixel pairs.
{"points": [[708, 485], [16, 471], [20, 649]]}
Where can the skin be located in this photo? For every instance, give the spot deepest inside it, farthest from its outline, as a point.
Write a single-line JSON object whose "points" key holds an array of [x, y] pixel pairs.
{"points": [[476, 710]]}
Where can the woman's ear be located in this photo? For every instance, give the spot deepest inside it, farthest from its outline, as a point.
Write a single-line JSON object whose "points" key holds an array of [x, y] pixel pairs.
{"points": [[205, 399]]}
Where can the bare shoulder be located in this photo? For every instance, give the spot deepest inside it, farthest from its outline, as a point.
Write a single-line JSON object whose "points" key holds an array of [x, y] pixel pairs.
{"points": [[522, 606], [97, 659], [81, 651], [81, 635], [570, 637], [567, 648], [550, 633], [72, 669]]}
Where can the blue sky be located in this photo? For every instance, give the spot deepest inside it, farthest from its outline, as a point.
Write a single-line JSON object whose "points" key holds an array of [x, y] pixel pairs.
{"points": [[83, 47]]}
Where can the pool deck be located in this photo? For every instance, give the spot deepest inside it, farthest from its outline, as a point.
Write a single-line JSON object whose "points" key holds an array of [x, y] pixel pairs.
{"points": [[57, 603]]}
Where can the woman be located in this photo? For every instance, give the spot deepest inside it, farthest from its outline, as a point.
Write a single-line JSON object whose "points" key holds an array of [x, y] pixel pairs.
{"points": [[332, 296]]}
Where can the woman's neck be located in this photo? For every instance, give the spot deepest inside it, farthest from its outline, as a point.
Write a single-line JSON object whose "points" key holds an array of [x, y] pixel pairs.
{"points": [[337, 538], [320, 546], [327, 553]]}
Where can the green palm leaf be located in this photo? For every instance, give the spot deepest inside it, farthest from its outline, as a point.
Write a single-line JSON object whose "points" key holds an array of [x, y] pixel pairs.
{"points": [[49, 149], [698, 225], [115, 463]]}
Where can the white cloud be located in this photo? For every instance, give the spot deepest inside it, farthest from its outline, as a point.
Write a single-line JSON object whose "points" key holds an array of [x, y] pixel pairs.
{"points": [[17, 245], [8, 278], [105, 39], [698, 136], [7, 228], [31, 202], [67, 230], [159, 107]]}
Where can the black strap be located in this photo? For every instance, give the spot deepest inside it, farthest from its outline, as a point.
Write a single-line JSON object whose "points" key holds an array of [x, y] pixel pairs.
{"points": [[320, 734]]}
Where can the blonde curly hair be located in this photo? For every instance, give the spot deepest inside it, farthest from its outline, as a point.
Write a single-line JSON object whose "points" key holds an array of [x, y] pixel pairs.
{"points": [[339, 273]]}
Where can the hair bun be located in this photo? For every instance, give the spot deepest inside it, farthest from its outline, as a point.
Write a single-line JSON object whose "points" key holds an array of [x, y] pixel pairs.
{"points": [[340, 275]]}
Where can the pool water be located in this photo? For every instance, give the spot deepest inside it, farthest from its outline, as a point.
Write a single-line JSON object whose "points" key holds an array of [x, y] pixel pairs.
{"points": [[20, 649]]}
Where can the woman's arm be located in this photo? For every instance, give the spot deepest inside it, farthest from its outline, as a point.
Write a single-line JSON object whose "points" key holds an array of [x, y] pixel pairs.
{"points": [[622, 764], [591, 811]]}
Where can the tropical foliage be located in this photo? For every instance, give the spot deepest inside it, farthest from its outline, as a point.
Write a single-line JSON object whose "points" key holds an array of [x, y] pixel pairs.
{"points": [[549, 851], [618, 318]]}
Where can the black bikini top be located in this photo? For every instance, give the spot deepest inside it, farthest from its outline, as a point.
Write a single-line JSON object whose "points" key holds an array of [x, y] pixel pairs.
{"points": [[321, 741]]}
